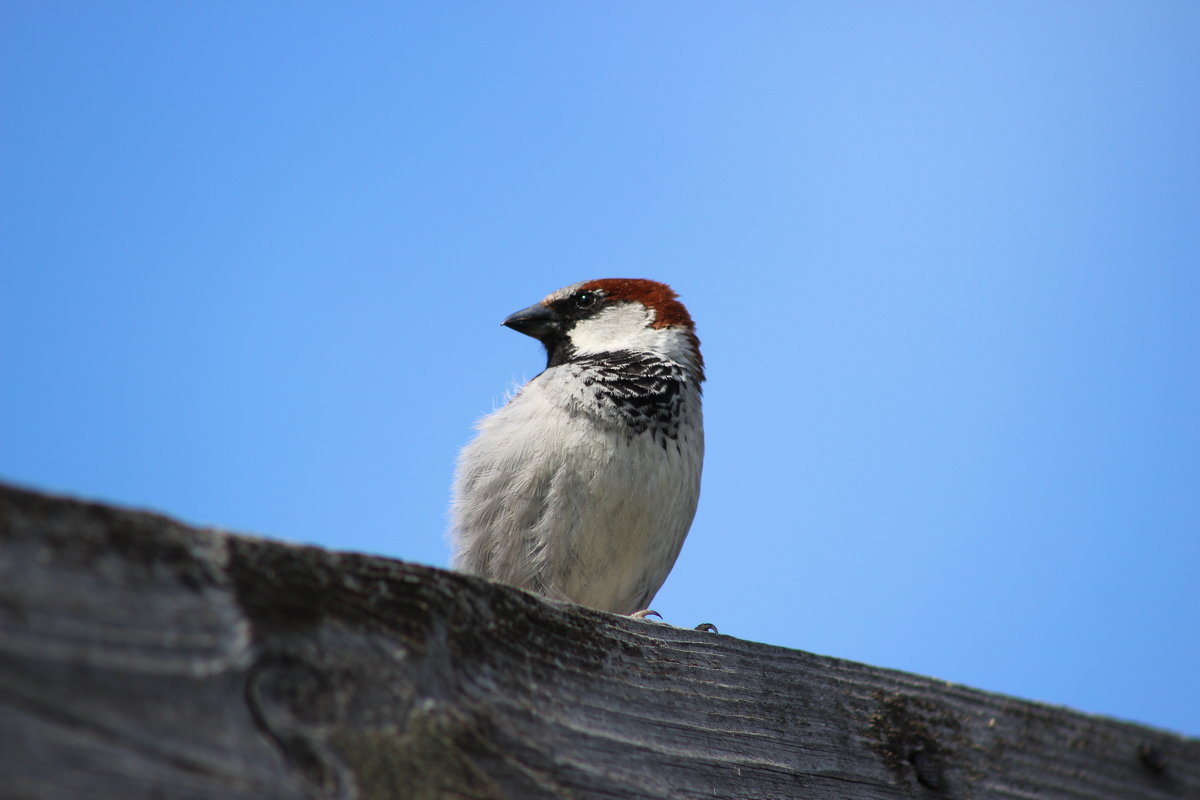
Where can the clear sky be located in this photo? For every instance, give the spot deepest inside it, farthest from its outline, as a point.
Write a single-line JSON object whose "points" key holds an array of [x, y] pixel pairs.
{"points": [[944, 259]]}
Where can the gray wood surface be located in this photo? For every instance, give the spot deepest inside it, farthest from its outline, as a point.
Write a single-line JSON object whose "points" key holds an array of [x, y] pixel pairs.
{"points": [[141, 658]]}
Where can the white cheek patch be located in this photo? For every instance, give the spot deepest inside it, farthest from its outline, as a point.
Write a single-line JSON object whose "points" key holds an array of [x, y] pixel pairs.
{"points": [[621, 326]]}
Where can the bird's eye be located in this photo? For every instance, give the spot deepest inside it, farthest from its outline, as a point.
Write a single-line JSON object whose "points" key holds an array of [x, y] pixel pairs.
{"points": [[585, 299]]}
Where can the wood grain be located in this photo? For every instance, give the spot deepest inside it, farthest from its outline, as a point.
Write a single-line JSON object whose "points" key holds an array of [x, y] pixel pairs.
{"points": [[141, 658]]}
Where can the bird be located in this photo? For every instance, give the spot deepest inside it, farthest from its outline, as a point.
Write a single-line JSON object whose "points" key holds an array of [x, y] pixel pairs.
{"points": [[583, 486]]}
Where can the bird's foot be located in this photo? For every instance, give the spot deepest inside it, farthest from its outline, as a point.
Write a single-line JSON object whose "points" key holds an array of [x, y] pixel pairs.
{"points": [[707, 627]]}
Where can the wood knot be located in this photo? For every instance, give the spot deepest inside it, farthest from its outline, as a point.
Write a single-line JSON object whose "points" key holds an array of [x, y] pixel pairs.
{"points": [[292, 702]]}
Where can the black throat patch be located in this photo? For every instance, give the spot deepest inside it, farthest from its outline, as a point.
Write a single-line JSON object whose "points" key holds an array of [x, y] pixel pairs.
{"points": [[645, 389]]}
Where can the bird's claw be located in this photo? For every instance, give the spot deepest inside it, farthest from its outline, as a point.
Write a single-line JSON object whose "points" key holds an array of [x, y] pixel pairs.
{"points": [[645, 612]]}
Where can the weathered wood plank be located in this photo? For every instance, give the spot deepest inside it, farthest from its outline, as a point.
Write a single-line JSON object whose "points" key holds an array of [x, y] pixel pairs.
{"points": [[143, 658]]}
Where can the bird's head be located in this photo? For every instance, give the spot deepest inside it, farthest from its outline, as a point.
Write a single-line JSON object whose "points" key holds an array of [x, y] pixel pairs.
{"points": [[612, 315]]}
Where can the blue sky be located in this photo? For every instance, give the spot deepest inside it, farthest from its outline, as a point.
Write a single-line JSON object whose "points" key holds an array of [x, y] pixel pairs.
{"points": [[944, 260]]}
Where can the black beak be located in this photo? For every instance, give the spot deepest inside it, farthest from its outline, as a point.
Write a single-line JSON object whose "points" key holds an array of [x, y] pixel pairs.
{"points": [[537, 321]]}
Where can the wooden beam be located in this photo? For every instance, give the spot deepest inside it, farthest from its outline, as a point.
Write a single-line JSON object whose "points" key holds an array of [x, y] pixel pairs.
{"points": [[142, 658]]}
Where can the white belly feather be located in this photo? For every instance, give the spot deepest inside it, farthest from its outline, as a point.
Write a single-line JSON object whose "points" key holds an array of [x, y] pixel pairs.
{"points": [[555, 498]]}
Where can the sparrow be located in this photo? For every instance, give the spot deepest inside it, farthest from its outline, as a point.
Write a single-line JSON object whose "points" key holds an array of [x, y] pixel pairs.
{"points": [[584, 484]]}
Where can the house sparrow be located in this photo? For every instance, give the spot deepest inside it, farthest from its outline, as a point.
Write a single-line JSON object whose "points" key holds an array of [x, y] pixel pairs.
{"points": [[583, 486]]}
